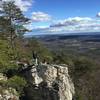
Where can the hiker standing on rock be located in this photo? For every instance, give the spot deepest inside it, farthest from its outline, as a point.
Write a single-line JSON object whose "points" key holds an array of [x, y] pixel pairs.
{"points": [[35, 59]]}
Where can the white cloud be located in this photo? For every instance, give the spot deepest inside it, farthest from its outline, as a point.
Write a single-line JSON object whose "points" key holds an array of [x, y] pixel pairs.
{"points": [[98, 14], [73, 21], [40, 17], [76, 24], [79, 18], [24, 5]]}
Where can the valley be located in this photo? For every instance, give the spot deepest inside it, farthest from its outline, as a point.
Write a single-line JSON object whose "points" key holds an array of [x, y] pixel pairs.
{"points": [[84, 45]]}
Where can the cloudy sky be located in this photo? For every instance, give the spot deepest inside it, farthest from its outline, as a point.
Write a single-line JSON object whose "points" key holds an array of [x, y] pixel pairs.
{"points": [[61, 16]]}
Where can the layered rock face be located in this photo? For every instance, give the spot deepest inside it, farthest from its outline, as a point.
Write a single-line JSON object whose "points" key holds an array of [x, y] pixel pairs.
{"points": [[52, 82]]}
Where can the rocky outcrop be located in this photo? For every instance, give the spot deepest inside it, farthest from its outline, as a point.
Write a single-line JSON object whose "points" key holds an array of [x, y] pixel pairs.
{"points": [[52, 82], [2, 77], [7, 93]]}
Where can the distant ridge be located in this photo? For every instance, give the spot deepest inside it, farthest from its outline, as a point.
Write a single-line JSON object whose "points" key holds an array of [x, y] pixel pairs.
{"points": [[64, 34]]}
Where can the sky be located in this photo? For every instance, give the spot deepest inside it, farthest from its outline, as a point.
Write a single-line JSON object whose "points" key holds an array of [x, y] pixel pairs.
{"points": [[61, 16]]}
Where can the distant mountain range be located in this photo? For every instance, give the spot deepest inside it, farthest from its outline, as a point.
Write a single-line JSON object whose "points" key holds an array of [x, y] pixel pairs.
{"points": [[64, 34]]}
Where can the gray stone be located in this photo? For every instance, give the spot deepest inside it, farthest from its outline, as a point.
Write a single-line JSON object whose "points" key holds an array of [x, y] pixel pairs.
{"points": [[56, 78]]}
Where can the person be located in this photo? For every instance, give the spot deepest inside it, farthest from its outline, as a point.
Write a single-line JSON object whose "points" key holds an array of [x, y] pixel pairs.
{"points": [[35, 57]]}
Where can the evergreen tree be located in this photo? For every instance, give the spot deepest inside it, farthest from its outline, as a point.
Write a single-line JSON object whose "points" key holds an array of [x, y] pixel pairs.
{"points": [[12, 21]]}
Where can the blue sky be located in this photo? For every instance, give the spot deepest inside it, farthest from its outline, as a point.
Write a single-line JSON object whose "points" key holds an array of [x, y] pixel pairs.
{"points": [[61, 16], [68, 8]]}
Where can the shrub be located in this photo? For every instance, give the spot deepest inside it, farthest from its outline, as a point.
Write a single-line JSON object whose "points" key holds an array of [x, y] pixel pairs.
{"points": [[83, 66], [17, 82]]}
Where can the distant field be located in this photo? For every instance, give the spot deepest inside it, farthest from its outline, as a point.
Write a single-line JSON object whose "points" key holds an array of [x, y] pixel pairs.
{"points": [[85, 45]]}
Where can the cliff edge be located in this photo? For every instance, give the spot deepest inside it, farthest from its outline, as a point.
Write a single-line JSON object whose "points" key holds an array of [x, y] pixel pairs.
{"points": [[51, 81]]}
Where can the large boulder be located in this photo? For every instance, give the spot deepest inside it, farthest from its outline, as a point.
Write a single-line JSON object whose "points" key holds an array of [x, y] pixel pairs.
{"points": [[52, 82]]}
